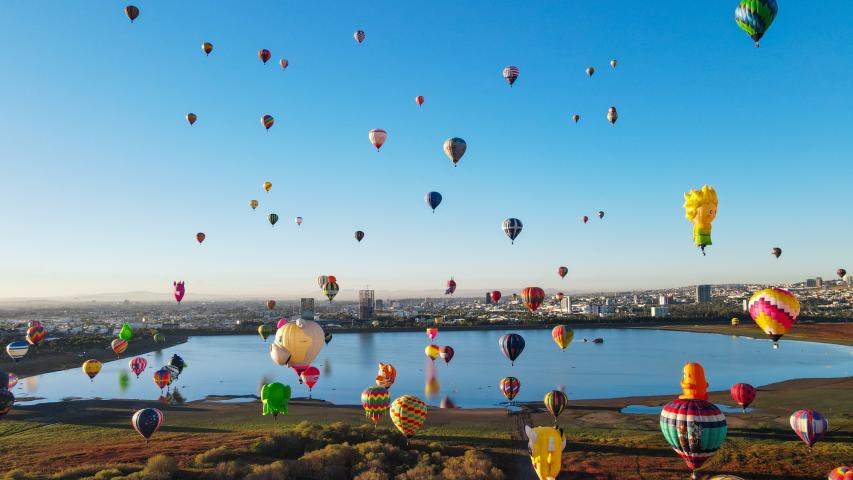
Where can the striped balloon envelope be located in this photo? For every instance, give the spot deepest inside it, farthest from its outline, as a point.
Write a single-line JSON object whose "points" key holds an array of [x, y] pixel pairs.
{"points": [[532, 297], [92, 367], [162, 378], [512, 228], [35, 334], [775, 311], [510, 74], [755, 16], [119, 346], [555, 402], [359, 36], [562, 335], [13, 380], [841, 473], [138, 365], [694, 428], [454, 148], [512, 344], [267, 121], [809, 425], [510, 386], [330, 289], [375, 401], [408, 413], [446, 353], [17, 349]]}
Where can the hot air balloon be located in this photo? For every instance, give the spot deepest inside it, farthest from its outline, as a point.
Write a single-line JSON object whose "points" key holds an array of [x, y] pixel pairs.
{"points": [[200, 236], [138, 365], [496, 295], [419, 100], [584, 219], [119, 346], [735, 322], [298, 221], [555, 402], [408, 414], [694, 428], [275, 397], [612, 115], [330, 289], [264, 332], [284, 63], [132, 12], [512, 344], [7, 399], [179, 290], [451, 287], [559, 296], [159, 338], [532, 297], [271, 304], [279, 355], [776, 252], [273, 218], [809, 425], [590, 71], [775, 311], [281, 322], [431, 351], [375, 401], [13, 380], [562, 335], [431, 332], [253, 204], [432, 199], [512, 228], [35, 334], [267, 186], [92, 367], [207, 47], [304, 340], [17, 349], [600, 214], [446, 354], [359, 235], [546, 445], [386, 375], [509, 387], [514, 297], [310, 376], [328, 337], [267, 121], [147, 421], [359, 36], [264, 55], [841, 273], [700, 208], [576, 118], [454, 148], [126, 332], [841, 473], [755, 16], [743, 394], [562, 272], [377, 137], [613, 63], [162, 378], [322, 280], [179, 363], [510, 74], [191, 118]]}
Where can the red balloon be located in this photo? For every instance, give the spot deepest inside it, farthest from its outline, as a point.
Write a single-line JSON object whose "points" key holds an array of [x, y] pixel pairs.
{"points": [[419, 100], [264, 55], [585, 219], [496, 295], [310, 376], [446, 354], [743, 394], [562, 271], [532, 297]]}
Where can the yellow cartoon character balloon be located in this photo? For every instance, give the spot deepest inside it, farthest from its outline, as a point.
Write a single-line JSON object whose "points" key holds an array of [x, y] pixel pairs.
{"points": [[545, 445], [700, 207], [694, 384], [303, 339]]}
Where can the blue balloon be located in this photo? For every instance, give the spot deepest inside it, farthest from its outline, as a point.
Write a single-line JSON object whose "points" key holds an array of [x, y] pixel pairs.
{"points": [[433, 199]]}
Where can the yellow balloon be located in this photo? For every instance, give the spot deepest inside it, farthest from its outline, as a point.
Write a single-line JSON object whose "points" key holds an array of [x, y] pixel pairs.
{"points": [[92, 367], [303, 339], [253, 204], [700, 207], [562, 335], [545, 445], [694, 384], [267, 186], [431, 351]]}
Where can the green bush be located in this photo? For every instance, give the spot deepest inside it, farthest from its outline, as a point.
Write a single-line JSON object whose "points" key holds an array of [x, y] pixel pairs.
{"points": [[214, 456], [473, 465], [274, 471], [333, 462], [232, 470]]}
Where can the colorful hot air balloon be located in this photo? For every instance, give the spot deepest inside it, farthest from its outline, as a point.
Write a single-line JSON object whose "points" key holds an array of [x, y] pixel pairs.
{"points": [[694, 428], [509, 387], [191, 118], [559, 296], [613, 63], [512, 228], [576, 118], [743, 394], [270, 304], [35, 334], [119, 346], [253, 204], [408, 414], [179, 363], [298, 221], [755, 16], [532, 297], [359, 36], [496, 295], [562, 272], [7, 399], [375, 401], [590, 71], [322, 280], [419, 100], [700, 208], [273, 218], [562, 335], [612, 115], [200, 236], [600, 214], [17, 349], [132, 12], [13, 380], [454, 148], [310, 376], [267, 186], [264, 55], [431, 351], [138, 365], [776, 252], [841, 473], [584, 219], [275, 397], [283, 63], [431, 332], [512, 344], [377, 137], [304, 340], [92, 367], [126, 332], [510, 74], [386, 375], [162, 378], [281, 323], [432, 199], [264, 332], [545, 446], [207, 47], [446, 354], [555, 402], [775, 311], [735, 322], [359, 235], [841, 273], [330, 289], [159, 338], [179, 290], [147, 421], [451, 287], [267, 121], [809, 425]]}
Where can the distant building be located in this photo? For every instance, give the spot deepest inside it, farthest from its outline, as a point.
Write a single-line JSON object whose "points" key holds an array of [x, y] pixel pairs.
{"points": [[745, 305], [819, 282], [609, 301], [596, 309], [365, 304], [488, 298], [636, 299], [811, 283], [660, 311], [306, 309], [703, 293], [566, 304], [378, 304], [665, 299]]}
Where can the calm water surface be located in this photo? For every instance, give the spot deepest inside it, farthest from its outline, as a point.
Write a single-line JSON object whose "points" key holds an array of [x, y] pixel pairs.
{"points": [[628, 363]]}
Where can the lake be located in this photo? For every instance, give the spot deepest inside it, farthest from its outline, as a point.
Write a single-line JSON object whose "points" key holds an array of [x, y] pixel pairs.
{"points": [[628, 363]]}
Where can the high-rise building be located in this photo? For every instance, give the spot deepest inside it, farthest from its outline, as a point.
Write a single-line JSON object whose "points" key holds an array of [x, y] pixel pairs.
{"points": [[488, 298], [665, 299], [609, 301], [306, 309], [566, 304], [703, 293], [819, 282], [811, 283], [745, 305], [365, 304], [378, 303]]}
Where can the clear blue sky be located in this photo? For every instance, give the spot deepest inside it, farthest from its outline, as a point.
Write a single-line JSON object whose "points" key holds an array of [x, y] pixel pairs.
{"points": [[104, 185]]}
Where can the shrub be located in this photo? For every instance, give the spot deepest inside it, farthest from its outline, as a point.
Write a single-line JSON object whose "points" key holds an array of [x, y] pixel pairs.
{"points": [[214, 456], [232, 470], [158, 467], [274, 471], [17, 474], [334, 462], [473, 465], [420, 472]]}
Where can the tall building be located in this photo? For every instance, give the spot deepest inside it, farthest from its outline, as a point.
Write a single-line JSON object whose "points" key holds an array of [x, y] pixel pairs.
{"points": [[703, 293], [609, 301], [488, 298], [365, 304], [306, 309], [811, 283], [819, 282], [379, 305], [745, 305], [665, 299], [566, 304]]}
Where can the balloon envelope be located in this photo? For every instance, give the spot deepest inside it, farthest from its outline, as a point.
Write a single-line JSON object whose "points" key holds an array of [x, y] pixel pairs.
{"points": [[454, 148], [92, 367], [555, 402], [512, 344], [433, 199], [138, 365], [377, 137], [510, 387], [375, 401], [17, 349], [303, 339], [446, 353], [743, 394], [275, 397], [694, 428], [386, 376], [147, 421], [532, 297], [809, 425], [408, 413], [755, 16], [774, 310], [562, 335]]}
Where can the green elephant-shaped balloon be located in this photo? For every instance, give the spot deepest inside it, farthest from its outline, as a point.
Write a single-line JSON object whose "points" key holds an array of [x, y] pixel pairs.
{"points": [[275, 397], [126, 333]]}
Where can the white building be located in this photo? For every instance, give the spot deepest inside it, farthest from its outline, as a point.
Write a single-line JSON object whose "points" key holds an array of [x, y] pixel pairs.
{"points": [[660, 311]]}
